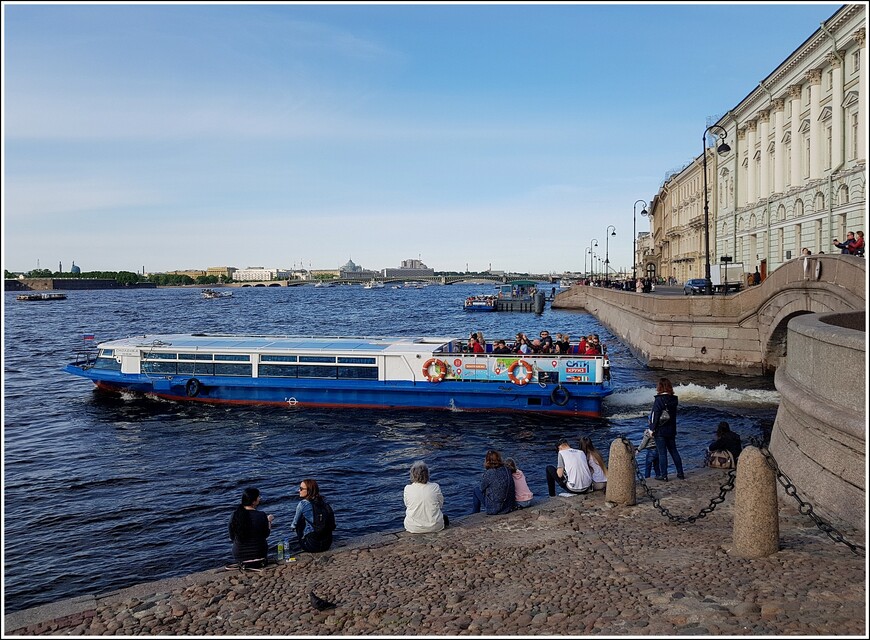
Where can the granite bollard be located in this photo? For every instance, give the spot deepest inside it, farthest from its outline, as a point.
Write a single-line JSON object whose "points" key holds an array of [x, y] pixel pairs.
{"points": [[756, 512], [621, 487]]}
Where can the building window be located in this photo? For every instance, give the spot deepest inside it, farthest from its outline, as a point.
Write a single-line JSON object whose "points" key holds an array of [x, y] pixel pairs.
{"points": [[828, 147], [853, 148], [856, 61], [820, 202], [806, 158]]}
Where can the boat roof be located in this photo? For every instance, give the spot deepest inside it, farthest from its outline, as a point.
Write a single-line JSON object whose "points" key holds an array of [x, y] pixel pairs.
{"points": [[249, 343]]}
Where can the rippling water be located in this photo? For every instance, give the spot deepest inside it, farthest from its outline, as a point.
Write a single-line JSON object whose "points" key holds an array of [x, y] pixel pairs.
{"points": [[103, 492]]}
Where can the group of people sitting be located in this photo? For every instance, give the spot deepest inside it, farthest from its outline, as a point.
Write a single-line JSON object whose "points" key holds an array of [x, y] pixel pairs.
{"points": [[502, 489], [313, 523], [545, 344]]}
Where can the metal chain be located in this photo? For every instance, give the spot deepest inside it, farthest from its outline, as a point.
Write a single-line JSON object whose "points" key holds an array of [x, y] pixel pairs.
{"points": [[804, 507], [727, 486]]}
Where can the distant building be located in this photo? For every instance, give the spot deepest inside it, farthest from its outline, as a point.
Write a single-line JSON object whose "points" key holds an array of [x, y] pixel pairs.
{"points": [[191, 273], [351, 271], [75, 269], [257, 274], [225, 272], [409, 269]]}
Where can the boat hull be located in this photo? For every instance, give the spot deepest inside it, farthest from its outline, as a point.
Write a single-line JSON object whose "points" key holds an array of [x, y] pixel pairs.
{"points": [[569, 399]]}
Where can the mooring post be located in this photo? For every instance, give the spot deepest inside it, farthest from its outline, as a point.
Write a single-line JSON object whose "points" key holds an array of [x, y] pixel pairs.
{"points": [[756, 512], [621, 488]]}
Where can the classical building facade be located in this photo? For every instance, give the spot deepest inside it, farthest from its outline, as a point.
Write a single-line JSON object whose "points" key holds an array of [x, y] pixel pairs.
{"points": [[260, 274], [795, 175]]}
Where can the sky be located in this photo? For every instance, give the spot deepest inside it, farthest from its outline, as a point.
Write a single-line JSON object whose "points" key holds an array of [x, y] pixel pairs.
{"points": [[470, 136]]}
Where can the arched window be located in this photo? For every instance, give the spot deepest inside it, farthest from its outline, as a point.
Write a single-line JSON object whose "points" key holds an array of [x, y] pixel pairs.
{"points": [[844, 195], [820, 201], [780, 213], [798, 208]]}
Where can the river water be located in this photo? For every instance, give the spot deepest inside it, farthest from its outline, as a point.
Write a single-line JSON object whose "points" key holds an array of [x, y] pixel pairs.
{"points": [[102, 492]]}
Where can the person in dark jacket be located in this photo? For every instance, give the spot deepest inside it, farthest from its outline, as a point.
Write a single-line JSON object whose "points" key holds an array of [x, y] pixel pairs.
{"points": [[496, 492], [726, 440], [664, 428], [249, 530]]}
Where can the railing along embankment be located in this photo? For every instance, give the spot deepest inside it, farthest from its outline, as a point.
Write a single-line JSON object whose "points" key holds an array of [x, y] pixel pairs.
{"points": [[743, 334]]}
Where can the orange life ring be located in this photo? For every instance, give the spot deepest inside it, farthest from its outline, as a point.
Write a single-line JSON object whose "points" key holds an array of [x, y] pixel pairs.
{"points": [[441, 370], [520, 381]]}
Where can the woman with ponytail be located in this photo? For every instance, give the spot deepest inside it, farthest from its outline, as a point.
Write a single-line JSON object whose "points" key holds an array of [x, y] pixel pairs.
{"points": [[249, 530]]}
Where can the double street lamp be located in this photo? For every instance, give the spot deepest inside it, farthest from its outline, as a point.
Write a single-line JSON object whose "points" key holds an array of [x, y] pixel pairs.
{"points": [[607, 253], [722, 148], [592, 264], [634, 240]]}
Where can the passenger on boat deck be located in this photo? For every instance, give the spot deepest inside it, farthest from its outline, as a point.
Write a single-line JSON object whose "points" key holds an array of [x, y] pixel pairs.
{"points": [[546, 342], [501, 347], [522, 344], [537, 347], [580, 347], [592, 346], [564, 342], [473, 345], [481, 340]]}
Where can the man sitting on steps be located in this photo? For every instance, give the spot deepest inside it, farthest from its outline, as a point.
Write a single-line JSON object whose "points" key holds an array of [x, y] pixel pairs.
{"points": [[572, 474]]}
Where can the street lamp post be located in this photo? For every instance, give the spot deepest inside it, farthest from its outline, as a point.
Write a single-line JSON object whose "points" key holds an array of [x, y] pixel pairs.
{"points": [[721, 149], [634, 240], [591, 263], [607, 253]]}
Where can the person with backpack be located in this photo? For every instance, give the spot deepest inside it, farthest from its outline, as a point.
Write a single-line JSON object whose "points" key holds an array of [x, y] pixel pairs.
{"points": [[314, 521]]}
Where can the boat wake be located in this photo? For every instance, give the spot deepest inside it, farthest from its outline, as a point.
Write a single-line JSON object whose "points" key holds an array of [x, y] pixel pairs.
{"points": [[634, 403]]}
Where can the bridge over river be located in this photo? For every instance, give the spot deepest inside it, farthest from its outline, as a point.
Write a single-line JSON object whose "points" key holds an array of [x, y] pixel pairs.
{"points": [[741, 334]]}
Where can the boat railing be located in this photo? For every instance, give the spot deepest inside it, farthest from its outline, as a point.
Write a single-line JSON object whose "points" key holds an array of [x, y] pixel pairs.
{"points": [[86, 359]]}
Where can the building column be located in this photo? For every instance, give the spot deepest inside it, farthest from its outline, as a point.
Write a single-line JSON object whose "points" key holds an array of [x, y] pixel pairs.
{"points": [[764, 164], [778, 146], [794, 94], [751, 189], [740, 190], [814, 79], [860, 37], [837, 122]]}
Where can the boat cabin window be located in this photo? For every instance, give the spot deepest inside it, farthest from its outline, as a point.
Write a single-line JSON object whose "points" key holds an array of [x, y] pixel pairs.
{"points": [[329, 359], [344, 360], [232, 357], [270, 358], [320, 371], [106, 360]]}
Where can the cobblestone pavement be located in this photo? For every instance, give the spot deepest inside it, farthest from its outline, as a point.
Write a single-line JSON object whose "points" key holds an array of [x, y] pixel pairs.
{"points": [[566, 566]]}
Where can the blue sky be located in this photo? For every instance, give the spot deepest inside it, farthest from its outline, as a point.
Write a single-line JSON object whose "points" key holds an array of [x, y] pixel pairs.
{"points": [[470, 136]]}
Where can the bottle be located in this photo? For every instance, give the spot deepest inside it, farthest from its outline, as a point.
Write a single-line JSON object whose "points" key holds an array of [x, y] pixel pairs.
{"points": [[287, 548], [280, 550]]}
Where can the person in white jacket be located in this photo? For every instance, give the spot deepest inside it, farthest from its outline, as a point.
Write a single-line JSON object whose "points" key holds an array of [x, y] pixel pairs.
{"points": [[423, 502]]}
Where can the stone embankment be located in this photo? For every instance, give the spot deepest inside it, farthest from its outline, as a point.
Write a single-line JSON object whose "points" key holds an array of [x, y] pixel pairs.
{"points": [[565, 566]]}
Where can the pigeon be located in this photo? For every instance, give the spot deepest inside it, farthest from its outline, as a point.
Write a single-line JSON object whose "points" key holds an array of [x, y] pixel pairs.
{"points": [[320, 604]]}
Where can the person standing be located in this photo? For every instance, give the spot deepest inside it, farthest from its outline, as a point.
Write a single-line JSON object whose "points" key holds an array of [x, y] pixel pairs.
{"points": [[848, 246], [663, 422], [423, 502], [314, 520], [572, 473], [496, 493], [249, 530]]}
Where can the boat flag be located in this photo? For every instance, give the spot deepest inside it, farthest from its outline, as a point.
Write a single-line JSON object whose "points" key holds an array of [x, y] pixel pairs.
{"points": [[88, 336]]}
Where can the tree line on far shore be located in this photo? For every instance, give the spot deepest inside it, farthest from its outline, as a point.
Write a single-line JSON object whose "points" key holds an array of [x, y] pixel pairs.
{"points": [[122, 277]]}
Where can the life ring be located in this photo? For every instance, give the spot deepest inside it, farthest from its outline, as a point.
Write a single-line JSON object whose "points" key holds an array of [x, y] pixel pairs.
{"points": [[441, 370], [524, 380], [560, 395], [193, 387]]}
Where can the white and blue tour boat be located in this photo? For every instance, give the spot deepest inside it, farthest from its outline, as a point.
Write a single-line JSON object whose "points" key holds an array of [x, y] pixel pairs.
{"points": [[372, 372]]}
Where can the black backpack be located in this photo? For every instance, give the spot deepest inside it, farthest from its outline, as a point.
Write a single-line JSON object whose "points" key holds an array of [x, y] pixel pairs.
{"points": [[324, 519]]}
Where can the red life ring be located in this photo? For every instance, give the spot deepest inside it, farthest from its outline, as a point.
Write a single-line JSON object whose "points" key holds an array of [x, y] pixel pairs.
{"points": [[441, 370], [520, 381]]}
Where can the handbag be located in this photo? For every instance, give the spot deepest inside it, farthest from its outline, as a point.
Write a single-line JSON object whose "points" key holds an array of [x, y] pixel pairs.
{"points": [[664, 418], [721, 460]]}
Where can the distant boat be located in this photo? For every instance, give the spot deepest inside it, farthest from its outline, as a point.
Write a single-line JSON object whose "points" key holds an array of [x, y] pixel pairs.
{"points": [[211, 294], [481, 303], [40, 297], [323, 284], [373, 284]]}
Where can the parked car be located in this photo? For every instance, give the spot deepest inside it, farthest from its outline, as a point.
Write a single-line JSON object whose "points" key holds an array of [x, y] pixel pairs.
{"points": [[695, 286]]}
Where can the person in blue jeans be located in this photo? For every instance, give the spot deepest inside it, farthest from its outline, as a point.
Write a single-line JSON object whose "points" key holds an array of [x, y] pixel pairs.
{"points": [[496, 492], [664, 428]]}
